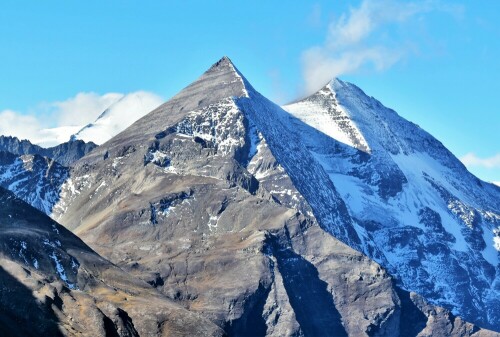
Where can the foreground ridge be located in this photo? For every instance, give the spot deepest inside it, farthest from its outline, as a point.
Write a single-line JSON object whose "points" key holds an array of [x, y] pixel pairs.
{"points": [[52, 284]]}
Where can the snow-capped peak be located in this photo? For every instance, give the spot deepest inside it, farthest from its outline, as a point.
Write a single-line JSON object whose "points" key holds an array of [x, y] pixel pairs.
{"points": [[323, 112], [419, 212]]}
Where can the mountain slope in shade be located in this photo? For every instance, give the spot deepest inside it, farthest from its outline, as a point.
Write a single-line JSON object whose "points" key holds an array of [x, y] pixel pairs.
{"points": [[35, 174], [118, 116], [214, 199], [52, 284], [33, 178], [417, 210]]}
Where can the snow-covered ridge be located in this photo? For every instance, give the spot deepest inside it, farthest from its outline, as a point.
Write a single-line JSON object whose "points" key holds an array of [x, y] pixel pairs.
{"points": [[418, 211], [306, 174], [239, 76], [331, 118]]}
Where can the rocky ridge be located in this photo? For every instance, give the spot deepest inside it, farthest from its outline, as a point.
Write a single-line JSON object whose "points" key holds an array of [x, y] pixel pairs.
{"points": [[65, 153]]}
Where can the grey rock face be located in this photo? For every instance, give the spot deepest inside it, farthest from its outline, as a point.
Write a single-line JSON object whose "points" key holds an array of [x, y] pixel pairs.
{"points": [[52, 284], [214, 200]]}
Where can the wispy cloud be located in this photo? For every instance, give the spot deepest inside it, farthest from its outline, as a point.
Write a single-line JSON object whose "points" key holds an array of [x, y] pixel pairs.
{"points": [[472, 160], [51, 123], [314, 18], [348, 45]]}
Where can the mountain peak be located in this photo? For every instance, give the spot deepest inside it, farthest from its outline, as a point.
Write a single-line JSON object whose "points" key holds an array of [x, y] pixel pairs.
{"points": [[323, 112], [225, 70], [224, 61], [336, 83], [221, 81]]}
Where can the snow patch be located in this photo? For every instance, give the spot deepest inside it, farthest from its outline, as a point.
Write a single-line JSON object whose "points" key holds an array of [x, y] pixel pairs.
{"points": [[213, 222], [60, 270], [496, 238]]}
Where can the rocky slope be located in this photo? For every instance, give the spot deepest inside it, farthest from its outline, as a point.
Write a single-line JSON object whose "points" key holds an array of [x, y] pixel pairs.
{"points": [[215, 200], [52, 284], [65, 153], [35, 174]]}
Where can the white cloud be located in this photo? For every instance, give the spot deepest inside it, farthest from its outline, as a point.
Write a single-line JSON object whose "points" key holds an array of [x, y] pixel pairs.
{"points": [[347, 47], [83, 108], [119, 116], [53, 123], [496, 183], [320, 67], [22, 126], [471, 160]]}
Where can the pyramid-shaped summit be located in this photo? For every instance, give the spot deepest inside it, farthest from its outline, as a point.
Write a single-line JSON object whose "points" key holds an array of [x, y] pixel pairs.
{"points": [[222, 80]]}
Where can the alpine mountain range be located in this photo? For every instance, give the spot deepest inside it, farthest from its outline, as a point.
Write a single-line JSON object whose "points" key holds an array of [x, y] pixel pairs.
{"points": [[221, 213]]}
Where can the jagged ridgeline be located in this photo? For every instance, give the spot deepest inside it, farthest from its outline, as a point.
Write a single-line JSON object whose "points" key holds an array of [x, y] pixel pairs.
{"points": [[332, 216], [65, 154]]}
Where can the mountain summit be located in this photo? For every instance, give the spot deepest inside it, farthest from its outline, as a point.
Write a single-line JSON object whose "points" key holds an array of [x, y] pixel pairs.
{"points": [[222, 80]]}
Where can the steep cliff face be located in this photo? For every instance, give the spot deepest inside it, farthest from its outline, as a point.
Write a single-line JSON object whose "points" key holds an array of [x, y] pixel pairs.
{"points": [[216, 199], [52, 284]]}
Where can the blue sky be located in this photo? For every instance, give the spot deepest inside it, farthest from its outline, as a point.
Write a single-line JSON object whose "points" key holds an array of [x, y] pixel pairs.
{"points": [[435, 62]]}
